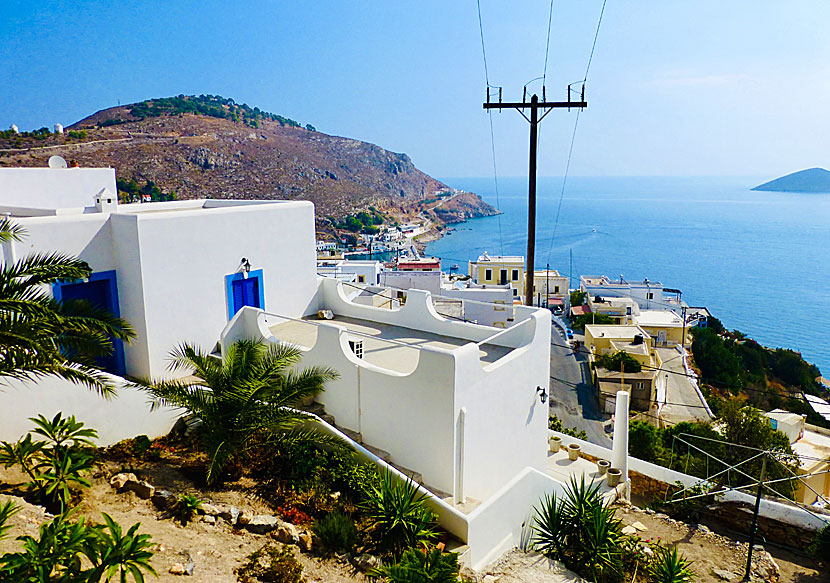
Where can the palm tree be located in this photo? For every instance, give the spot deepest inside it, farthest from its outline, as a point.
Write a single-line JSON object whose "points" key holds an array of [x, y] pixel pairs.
{"points": [[244, 400], [40, 336]]}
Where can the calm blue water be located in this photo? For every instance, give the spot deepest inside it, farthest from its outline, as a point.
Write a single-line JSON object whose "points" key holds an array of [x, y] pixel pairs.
{"points": [[758, 260]]}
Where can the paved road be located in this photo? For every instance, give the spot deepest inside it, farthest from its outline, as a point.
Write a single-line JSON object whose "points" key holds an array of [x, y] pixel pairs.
{"points": [[572, 397], [679, 390]]}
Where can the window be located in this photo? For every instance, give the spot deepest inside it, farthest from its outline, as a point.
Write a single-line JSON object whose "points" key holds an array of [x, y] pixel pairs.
{"points": [[639, 385], [503, 277], [515, 275], [488, 274], [361, 279], [357, 347], [244, 291], [515, 292], [556, 289], [650, 295]]}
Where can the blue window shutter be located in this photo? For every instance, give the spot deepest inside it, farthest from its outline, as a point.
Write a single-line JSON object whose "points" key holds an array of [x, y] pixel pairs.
{"points": [[238, 299]]}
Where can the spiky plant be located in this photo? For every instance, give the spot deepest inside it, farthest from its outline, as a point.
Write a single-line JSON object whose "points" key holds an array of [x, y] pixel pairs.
{"points": [[244, 400], [415, 566], [42, 337], [669, 566], [399, 514]]}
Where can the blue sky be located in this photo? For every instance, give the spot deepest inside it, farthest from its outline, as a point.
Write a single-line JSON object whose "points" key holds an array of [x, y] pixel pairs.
{"points": [[675, 88]]}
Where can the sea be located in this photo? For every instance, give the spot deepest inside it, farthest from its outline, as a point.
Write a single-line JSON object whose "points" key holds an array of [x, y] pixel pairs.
{"points": [[759, 261]]}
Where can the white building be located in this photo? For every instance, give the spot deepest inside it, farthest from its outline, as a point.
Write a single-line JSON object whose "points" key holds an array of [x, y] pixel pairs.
{"points": [[650, 295], [58, 128], [325, 246], [461, 405], [163, 266], [362, 271]]}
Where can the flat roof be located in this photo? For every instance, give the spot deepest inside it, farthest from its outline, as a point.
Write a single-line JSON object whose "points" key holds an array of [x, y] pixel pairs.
{"points": [[630, 347], [500, 259], [383, 344], [658, 318], [611, 331], [812, 445]]}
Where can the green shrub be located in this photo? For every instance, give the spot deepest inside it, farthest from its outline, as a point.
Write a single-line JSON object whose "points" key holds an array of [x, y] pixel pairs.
{"points": [[669, 566], [820, 547], [398, 513], [555, 424], [416, 566], [336, 532], [6, 511], [77, 551], [56, 465], [186, 508], [643, 441], [271, 563], [580, 531], [619, 359]]}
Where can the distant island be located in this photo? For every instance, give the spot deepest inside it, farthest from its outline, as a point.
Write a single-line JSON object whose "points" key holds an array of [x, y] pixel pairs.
{"points": [[810, 180]]}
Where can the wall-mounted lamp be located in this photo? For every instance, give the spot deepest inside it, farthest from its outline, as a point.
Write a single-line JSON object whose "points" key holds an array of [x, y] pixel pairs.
{"points": [[245, 265], [543, 396]]}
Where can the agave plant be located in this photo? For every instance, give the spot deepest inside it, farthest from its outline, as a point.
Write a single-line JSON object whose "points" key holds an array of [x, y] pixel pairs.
{"points": [[186, 508], [669, 566], [245, 400], [399, 514], [580, 531], [42, 337]]}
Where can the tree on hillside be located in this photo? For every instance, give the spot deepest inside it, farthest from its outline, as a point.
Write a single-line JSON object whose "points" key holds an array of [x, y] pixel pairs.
{"points": [[42, 337], [619, 359], [246, 399], [580, 322]]}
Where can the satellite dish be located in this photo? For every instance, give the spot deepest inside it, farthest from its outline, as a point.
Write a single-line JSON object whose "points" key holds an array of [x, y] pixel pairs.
{"points": [[57, 162]]}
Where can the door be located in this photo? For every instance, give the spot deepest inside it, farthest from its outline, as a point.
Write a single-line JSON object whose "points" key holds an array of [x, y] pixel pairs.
{"points": [[245, 293], [100, 291], [661, 336]]}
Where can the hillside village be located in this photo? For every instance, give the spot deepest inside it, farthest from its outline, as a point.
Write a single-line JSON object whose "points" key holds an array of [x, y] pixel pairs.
{"points": [[438, 384]]}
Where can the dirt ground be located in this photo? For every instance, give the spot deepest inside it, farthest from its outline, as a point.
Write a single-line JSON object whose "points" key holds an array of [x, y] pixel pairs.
{"points": [[218, 549], [714, 550]]}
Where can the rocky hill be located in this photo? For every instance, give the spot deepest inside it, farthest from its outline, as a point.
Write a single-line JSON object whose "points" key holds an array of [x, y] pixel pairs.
{"points": [[810, 180], [210, 147]]}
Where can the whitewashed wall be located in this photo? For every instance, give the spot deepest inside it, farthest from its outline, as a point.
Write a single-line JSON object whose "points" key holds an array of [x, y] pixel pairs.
{"points": [[413, 415], [122, 417], [53, 188], [171, 265]]}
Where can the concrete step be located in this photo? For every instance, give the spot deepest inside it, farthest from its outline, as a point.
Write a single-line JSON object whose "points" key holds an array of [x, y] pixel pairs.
{"points": [[384, 455], [354, 435], [412, 474]]}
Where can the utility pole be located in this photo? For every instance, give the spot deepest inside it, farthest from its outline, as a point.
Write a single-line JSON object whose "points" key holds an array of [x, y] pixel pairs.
{"points": [[534, 105], [754, 528], [547, 286], [683, 341]]}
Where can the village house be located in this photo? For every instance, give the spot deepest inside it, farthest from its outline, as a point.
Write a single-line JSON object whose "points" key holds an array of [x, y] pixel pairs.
{"points": [[811, 445], [501, 270], [649, 295], [551, 289], [643, 386]]}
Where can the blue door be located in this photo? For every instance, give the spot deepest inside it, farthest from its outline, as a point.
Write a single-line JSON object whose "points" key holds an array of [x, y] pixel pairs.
{"points": [[245, 293], [101, 292]]}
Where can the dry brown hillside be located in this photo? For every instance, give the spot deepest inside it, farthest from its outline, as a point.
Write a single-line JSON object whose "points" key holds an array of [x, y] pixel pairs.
{"points": [[200, 156]]}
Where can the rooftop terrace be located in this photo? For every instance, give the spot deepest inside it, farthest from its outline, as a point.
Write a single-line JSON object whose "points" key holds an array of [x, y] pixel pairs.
{"points": [[391, 347]]}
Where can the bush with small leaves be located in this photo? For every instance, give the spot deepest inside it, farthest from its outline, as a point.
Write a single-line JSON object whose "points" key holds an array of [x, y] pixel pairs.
{"points": [[271, 563], [336, 532], [820, 547]]}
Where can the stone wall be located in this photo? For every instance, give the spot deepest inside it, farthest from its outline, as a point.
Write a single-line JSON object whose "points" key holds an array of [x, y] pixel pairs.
{"points": [[738, 517]]}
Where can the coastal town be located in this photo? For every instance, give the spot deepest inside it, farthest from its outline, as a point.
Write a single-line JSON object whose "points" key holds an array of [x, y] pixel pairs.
{"points": [[442, 379]]}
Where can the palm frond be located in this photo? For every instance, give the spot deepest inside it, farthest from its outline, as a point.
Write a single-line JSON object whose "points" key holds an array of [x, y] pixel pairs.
{"points": [[10, 231]]}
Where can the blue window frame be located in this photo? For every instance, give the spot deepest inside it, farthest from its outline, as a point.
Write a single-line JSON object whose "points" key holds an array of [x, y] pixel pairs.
{"points": [[244, 291], [101, 289]]}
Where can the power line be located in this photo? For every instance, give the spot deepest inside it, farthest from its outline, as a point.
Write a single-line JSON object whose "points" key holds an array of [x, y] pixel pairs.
{"points": [[492, 134], [547, 44], [576, 122]]}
